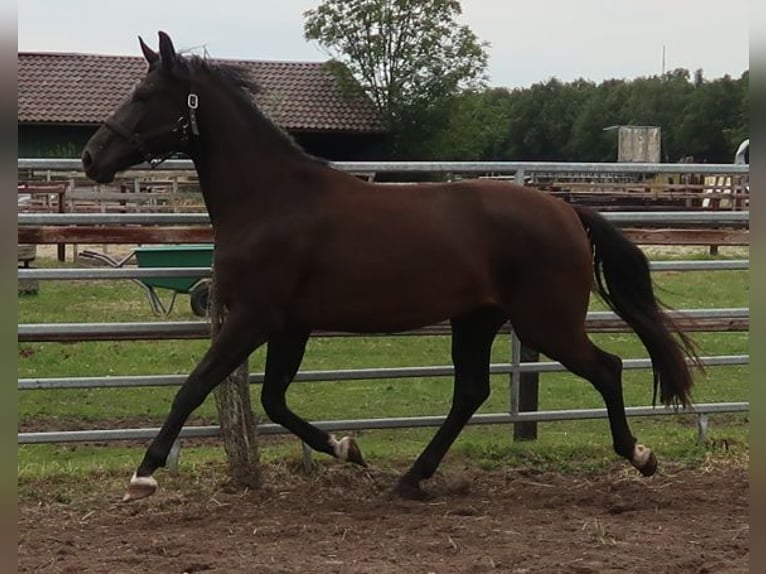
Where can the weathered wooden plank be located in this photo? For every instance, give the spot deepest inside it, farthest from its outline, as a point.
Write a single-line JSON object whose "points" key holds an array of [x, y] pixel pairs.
{"points": [[689, 236], [107, 196], [720, 324], [118, 234], [716, 325], [177, 234]]}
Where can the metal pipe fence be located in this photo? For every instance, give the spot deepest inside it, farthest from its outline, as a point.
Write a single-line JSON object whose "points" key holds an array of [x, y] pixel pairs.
{"points": [[620, 218], [204, 431], [332, 375], [515, 367], [473, 167], [200, 329]]}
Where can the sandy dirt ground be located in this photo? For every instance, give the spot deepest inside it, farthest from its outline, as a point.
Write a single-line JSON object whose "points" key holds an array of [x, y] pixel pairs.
{"points": [[343, 519]]}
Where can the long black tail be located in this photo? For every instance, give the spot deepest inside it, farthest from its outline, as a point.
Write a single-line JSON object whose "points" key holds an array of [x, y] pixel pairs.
{"points": [[624, 283]]}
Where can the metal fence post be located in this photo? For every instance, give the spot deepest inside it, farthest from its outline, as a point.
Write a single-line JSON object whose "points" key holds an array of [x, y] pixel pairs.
{"points": [[173, 457], [528, 395], [307, 459], [515, 373], [524, 388], [703, 426]]}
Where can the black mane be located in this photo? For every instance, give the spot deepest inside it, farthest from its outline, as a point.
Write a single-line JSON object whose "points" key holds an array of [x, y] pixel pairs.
{"points": [[239, 82]]}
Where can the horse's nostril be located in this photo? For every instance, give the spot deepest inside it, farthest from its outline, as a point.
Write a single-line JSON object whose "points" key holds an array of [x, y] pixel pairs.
{"points": [[87, 159]]}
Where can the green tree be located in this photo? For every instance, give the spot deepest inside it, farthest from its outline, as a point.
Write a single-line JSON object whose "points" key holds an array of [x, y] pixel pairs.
{"points": [[475, 127], [603, 108], [660, 101], [410, 57], [711, 108], [740, 128], [542, 120]]}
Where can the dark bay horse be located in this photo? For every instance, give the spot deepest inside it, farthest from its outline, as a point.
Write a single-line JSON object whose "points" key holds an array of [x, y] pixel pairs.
{"points": [[300, 246]]}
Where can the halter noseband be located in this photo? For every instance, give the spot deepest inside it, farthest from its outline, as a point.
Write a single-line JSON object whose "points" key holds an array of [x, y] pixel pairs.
{"points": [[185, 126]]}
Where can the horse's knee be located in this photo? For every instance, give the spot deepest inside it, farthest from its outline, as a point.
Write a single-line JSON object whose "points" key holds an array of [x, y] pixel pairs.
{"points": [[189, 397]]}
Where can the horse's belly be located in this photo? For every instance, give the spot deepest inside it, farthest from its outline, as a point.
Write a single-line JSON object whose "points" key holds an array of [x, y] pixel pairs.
{"points": [[387, 304]]}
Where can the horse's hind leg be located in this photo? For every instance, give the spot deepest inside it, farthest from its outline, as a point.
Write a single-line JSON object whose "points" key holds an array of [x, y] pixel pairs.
{"points": [[472, 336], [573, 349], [283, 357], [604, 371]]}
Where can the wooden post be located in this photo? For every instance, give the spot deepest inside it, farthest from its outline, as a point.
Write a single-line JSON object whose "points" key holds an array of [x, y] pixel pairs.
{"points": [[235, 413], [61, 247], [715, 204], [528, 396]]}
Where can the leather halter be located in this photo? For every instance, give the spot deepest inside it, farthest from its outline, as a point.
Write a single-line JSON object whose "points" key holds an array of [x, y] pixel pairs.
{"points": [[185, 127]]}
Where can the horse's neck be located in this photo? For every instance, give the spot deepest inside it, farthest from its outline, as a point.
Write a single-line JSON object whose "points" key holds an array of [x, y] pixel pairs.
{"points": [[237, 155]]}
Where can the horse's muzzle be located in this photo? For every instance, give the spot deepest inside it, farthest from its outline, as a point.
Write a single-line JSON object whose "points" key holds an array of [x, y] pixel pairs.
{"points": [[92, 171]]}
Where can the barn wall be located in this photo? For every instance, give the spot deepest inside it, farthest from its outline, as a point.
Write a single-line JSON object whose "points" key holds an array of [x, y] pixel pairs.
{"points": [[49, 141], [343, 147]]}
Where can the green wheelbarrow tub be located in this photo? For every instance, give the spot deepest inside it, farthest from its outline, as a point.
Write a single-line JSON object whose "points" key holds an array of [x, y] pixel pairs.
{"points": [[174, 256]]}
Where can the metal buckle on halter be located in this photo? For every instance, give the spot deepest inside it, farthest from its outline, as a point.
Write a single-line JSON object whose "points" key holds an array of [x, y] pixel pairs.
{"points": [[192, 102]]}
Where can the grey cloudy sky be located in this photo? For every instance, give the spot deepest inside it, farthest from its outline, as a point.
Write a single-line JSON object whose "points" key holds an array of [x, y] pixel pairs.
{"points": [[530, 40]]}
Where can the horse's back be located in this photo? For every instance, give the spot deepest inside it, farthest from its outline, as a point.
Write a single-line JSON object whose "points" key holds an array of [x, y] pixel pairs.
{"points": [[410, 255]]}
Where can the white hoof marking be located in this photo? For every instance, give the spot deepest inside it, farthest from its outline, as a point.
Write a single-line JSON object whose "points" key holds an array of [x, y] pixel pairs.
{"points": [[340, 447], [641, 455], [140, 487], [143, 481]]}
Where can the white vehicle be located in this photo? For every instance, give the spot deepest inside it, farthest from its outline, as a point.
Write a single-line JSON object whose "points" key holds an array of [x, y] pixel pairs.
{"points": [[743, 153]]}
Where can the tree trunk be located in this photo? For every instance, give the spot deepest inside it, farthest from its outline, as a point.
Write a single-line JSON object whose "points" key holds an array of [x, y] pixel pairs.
{"points": [[235, 413]]}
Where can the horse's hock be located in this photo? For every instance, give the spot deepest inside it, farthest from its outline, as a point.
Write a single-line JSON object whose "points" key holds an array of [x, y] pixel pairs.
{"points": [[27, 254]]}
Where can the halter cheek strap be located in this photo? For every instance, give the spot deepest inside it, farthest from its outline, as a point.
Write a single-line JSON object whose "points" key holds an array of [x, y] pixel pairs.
{"points": [[192, 102], [185, 127]]}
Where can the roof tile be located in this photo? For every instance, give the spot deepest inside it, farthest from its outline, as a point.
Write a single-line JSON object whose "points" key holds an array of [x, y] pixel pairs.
{"points": [[86, 88]]}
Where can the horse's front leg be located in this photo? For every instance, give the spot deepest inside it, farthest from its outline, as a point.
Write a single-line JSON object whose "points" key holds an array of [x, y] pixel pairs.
{"points": [[235, 341], [283, 358], [472, 337]]}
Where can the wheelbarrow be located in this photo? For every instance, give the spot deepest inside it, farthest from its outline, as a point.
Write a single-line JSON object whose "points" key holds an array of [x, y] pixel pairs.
{"points": [[167, 256]]}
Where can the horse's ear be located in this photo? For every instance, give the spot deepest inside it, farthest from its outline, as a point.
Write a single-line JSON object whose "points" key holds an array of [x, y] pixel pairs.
{"points": [[167, 52], [151, 56]]}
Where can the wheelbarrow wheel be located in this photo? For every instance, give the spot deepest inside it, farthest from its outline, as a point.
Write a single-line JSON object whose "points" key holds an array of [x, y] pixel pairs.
{"points": [[199, 295]]}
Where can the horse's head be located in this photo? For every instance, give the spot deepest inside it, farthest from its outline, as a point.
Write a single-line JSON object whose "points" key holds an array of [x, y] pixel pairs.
{"points": [[156, 120]]}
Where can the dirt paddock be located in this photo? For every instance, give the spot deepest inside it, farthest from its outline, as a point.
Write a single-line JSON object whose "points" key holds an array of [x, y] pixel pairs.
{"points": [[342, 519]]}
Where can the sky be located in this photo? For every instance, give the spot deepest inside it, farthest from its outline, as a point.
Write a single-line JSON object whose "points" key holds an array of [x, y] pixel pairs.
{"points": [[530, 40]]}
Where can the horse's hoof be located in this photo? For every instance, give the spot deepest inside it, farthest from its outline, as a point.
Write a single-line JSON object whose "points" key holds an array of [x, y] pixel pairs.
{"points": [[409, 491], [140, 487], [644, 460], [354, 454], [347, 449], [650, 467]]}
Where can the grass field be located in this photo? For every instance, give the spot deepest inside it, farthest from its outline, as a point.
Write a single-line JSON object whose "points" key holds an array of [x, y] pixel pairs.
{"points": [[561, 444]]}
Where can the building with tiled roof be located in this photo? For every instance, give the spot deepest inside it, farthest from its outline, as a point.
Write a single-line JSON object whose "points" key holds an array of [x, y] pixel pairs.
{"points": [[62, 98]]}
